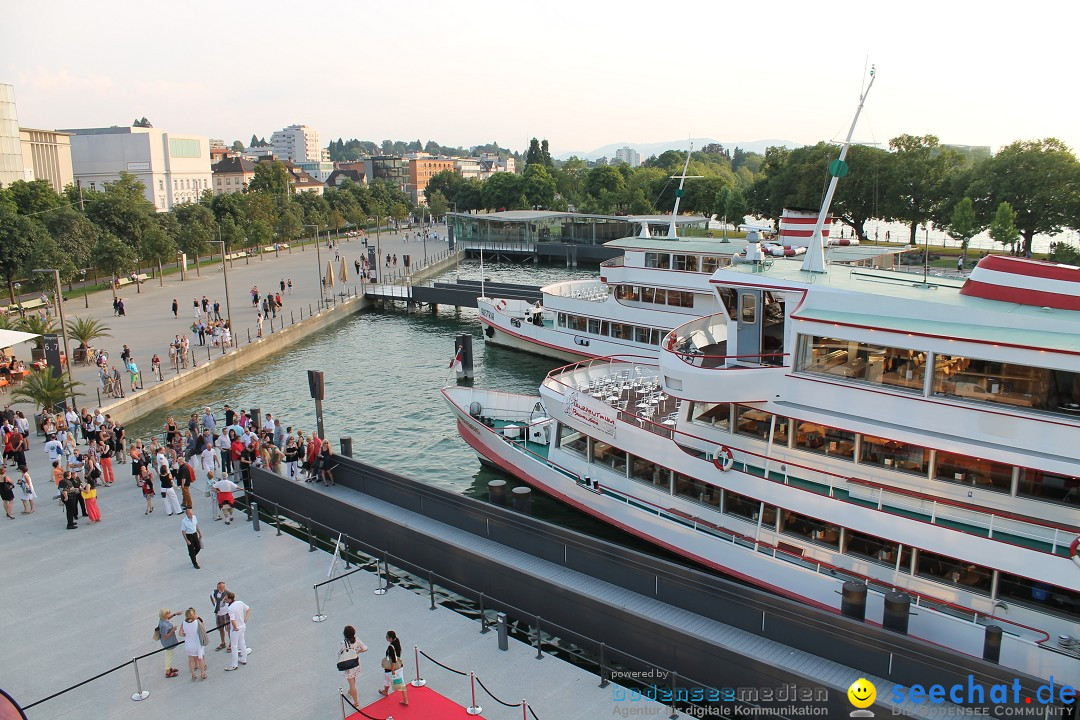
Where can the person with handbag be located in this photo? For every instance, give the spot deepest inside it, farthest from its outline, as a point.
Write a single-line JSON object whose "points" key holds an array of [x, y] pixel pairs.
{"points": [[349, 660], [193, 633], [393, 669], [166, 635]]}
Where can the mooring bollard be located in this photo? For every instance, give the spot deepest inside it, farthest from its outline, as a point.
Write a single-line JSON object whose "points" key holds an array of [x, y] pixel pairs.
{"points": [[292, 318], [501, 627], [255, 516]]}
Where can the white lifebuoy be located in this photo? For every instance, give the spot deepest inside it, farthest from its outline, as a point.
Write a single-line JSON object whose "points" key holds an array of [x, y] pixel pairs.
{"points": [[1074, 551], [501, 305], [724, 460]]}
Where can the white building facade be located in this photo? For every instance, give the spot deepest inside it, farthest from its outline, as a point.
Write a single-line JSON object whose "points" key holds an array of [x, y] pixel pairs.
{"points": [[174, 168], [628, 155], [11, 159], [299, 143]]}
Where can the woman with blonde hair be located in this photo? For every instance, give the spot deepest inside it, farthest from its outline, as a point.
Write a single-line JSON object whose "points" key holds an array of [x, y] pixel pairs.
{"points": [[194, 634], [166, 633]]}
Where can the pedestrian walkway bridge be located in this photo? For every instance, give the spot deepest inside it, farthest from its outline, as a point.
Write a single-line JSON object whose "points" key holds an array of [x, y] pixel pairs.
{"points": [[463, 293]]}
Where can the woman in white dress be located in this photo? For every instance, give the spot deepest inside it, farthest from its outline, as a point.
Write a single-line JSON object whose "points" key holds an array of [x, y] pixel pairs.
{"points": [[348, 646], [26, 491], [192, 631]]}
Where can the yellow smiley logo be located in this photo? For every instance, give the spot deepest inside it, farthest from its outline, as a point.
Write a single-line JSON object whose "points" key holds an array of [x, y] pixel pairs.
{"points": [[862, 693]]}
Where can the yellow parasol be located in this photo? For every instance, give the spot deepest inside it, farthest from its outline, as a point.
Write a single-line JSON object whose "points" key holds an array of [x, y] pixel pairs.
{"points": [[344, 271], [330, 273]]}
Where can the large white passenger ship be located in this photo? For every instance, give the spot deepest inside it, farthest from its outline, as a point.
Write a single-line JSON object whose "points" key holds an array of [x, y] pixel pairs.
{"points": [[919, 437]]}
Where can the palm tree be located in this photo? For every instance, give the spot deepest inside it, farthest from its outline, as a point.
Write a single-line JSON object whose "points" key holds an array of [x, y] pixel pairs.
{"points": [[85, 330], [40, 326], [46, 391]]}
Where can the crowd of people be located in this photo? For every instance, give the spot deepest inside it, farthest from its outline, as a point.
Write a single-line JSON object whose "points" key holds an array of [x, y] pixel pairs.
{"points": [[231, 616]]}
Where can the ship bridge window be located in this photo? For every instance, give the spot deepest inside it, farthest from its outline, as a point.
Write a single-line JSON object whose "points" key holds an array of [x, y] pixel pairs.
{"points": [[893, 454], [1022, 386], [657, 260], [896, 367], [562, 319], [573, 441], [729, 298], [1052, 487], [710, 264], [594, 326], [650, 473], [628, 292], [1048, 598], [825, 440], [622, 331], [692, 489], [984, 474], [648, 294], [687, 263], [716, 415], [793, 523], [875, 549], [953, 572], [748, 508]]}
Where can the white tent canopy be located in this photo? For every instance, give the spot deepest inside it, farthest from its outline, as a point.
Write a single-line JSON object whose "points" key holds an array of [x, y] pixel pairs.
{"points": [[14, 337]]}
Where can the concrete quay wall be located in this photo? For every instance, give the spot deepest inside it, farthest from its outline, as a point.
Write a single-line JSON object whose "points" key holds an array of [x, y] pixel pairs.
{"points": [[170, 390]]}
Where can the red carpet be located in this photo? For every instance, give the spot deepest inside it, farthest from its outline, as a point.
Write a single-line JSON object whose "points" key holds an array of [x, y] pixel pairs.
{"points": [[424, 704]]}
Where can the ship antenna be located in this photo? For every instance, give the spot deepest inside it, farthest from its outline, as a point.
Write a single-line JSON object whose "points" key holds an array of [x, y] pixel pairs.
{"points": [[679, 193], [814, 261]]}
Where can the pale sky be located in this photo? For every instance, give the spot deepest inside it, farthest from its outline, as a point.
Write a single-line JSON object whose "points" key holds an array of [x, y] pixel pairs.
{"points": [[581, 74]]}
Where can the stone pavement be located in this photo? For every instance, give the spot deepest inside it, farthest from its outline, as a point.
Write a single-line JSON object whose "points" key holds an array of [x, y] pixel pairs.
{"points": [[148, 325], [76, 603]]}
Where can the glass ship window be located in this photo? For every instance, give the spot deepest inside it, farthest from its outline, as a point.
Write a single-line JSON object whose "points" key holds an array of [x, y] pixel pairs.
{"points": [[641, 335], [953, 572], [748, 508], [594, 326], [965, 470], [648, 294], [1052, 487], [687, 263], [562, 319], [729, 299], [680, 298], [1033, 593], [875, 549], [893, 455], [696, 490], [628, 292], [622, 331], [1022, 386], [709, 264], [810, 528], [650, 473], [897, 367], [573, 441], [825, 440], [603, 453], [657, 260], [716, 415]]}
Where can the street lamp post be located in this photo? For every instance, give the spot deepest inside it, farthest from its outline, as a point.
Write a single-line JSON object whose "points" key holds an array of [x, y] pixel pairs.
{"points": [[63, 325], [318, 259], [86, 298], [228, 305]]}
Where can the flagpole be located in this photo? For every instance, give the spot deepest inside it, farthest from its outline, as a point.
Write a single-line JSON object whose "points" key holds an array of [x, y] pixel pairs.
{"points": [[483, 293]]}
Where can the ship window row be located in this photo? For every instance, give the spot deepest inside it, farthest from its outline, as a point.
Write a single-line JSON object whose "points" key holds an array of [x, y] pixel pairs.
{"points": [[893, 455], [655, 296], [606, 328], [686, 263], [863, 546], [953, 376]]}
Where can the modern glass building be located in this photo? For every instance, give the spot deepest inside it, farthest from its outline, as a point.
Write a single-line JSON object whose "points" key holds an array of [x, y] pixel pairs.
{"points": [[11, 159]]}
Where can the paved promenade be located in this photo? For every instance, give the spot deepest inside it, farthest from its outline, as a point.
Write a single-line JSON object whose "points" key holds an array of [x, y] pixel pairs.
{"points": [[149, 326], [78, 602]]}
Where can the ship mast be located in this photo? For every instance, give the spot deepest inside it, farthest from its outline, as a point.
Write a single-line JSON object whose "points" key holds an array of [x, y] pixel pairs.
{"points": [[679, 193], [814, 261]]}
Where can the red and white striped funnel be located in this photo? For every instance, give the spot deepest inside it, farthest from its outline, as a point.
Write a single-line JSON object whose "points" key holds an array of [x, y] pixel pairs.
{"points": [[1025, 282], [797, 226]]}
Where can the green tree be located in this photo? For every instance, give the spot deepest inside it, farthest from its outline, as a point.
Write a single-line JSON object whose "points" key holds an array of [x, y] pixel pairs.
{"points": [[45, 391], [157, 247], [918, 179], [604, 178], [290, 220], [1003, 227], [1040, 179], [42, 253], [122, 210], [962, 225], [231, 234], [34, 196], [438, 204], [113, 256], [535, 155], [505, 191], [270, 177], [732, 205], [545, 155], [570, 180], [73, 232], [237, 146], [539, 186], [17, 235], [399, 212], [197, 229]]}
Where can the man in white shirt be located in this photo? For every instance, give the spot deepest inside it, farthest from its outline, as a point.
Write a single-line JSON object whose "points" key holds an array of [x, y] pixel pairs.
{"points": [[54, 448], [73, 423], [225, 498], [239, 613], [192, 533], [209, 422], [268, 426]]}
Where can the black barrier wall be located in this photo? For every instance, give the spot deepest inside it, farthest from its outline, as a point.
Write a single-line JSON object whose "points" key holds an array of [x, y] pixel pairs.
{"points": [[871, 649]]}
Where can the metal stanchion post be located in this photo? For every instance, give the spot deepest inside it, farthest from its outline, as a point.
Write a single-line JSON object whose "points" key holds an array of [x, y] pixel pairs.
{"points": [[674, 693], [342, 703], [193, 363], [473, 709], [277, 519], [419, 681], [249, 335], [603, 666], [292, 317], [524, 709], [431, 588], [384, 583], [539, 651], [483, 616], [310, 537], [254, 516], [140, 694], [319, 616], [501, 628]]}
